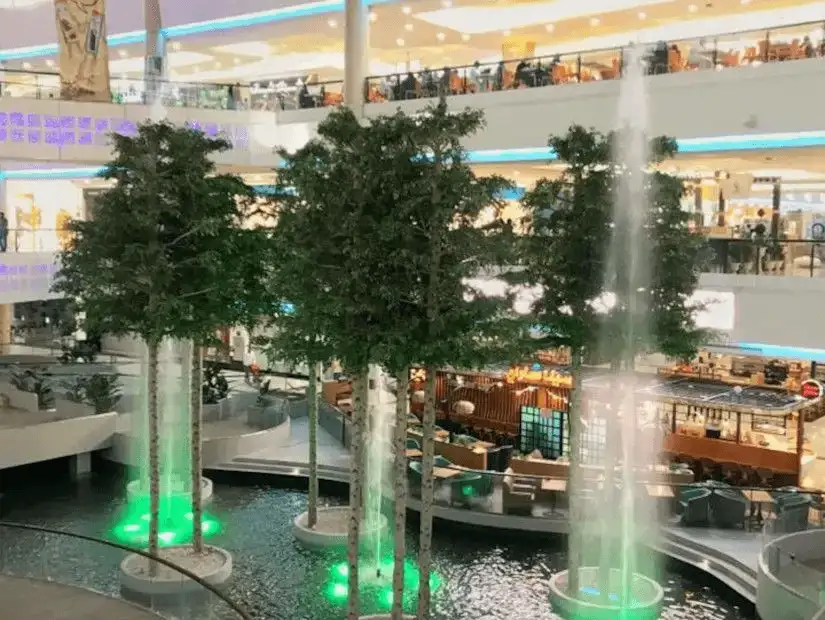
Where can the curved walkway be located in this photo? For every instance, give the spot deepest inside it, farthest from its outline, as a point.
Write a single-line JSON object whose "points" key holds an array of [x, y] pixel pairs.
{"points": [[31, 599]]}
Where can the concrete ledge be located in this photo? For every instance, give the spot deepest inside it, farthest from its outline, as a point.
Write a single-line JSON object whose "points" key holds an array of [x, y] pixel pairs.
{"points": [[775, 598], [647, 592], [334, 523], [134, 489]]}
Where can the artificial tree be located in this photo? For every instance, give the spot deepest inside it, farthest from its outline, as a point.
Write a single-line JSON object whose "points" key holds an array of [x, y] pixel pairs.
{"points": [[572, 222], [154, 258]]}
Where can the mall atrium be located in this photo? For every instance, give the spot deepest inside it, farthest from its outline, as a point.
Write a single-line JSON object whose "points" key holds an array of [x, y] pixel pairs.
{"points": [[205, 478]]}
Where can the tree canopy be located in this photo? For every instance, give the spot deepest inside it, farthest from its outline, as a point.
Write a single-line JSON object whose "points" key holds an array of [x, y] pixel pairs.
{"points": [[165, 253], [588, 300]]}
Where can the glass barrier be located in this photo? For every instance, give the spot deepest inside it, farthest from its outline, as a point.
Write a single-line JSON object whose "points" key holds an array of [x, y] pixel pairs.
{"points": [[281, 96], [769, 257], [740, 49], [32, 85], [43, 572]]}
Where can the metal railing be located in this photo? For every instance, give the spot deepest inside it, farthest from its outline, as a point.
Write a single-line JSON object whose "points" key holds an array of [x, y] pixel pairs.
{"points": [[768, 257], [31, 555], [736, 49]]}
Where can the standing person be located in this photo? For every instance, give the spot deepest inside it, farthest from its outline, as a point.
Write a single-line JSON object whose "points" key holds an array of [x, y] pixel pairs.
{"points": [[238, 348], [4, 232], [251, 370], [230, 97]]}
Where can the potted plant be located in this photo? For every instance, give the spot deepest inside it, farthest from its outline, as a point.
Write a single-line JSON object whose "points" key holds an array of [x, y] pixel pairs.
{"points": [[102, 392], [215, 393]]}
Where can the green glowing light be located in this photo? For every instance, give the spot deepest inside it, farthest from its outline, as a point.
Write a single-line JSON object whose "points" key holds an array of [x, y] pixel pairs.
{"points": [[375, 582], [175, 523]]}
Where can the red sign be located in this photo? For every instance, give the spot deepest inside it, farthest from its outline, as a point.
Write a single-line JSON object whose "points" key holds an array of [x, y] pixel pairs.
{"points": [[811, 389]]}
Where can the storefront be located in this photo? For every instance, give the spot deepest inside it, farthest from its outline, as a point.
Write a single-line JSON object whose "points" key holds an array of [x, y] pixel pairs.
{"points": [[39, 212]]}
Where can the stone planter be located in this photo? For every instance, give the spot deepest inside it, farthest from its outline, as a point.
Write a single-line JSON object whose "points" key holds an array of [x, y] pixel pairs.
{"points": [[135, 489], [18, 399], [264, 417], [218, 411], [331, 529], [168, 589], [70, 409], [646, 594]]}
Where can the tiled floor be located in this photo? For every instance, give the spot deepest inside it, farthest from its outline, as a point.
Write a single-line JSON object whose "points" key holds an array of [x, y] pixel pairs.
{"points": [[41, 600]]}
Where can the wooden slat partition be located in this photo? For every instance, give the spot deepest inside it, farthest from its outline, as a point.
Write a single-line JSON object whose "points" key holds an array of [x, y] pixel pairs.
{"points": [[722, 451]]}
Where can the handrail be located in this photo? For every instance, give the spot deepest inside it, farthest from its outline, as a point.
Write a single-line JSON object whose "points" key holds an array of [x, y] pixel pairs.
{"points": [[236, 607], [621, 48]]}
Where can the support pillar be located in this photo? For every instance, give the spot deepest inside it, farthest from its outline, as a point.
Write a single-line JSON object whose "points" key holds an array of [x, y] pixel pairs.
{"points": [[81, 465], [356, 38], [155, 61], [6, 322]]}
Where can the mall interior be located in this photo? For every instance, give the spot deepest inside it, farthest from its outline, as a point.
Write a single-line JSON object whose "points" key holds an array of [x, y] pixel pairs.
{"points": [[737, 490]]}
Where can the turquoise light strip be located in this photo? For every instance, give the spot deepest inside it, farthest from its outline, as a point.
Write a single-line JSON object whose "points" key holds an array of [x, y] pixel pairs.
{"points": [[753, 142], [771, 350], [222, 24]]}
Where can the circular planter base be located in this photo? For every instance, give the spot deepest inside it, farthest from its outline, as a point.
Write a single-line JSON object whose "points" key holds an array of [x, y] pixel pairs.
{"points": [[331, 528], [384, 617], [169, 588], [135, 490], [646, 597]]}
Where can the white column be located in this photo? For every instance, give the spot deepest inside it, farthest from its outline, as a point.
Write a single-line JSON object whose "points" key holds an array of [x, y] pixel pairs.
{"points": [[356, 44], [155, 61]]}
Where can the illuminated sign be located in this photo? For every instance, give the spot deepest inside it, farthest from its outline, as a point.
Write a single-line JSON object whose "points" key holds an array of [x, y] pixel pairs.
{"points": [[811, 389], [23, 128]]}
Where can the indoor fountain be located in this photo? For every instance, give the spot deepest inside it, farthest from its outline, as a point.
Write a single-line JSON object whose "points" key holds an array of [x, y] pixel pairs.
{"points": [[617, 516]]}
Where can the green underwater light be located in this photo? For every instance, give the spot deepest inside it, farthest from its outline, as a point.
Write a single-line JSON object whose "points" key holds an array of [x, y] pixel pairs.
{"points": [[175, 523], [375, 582]]}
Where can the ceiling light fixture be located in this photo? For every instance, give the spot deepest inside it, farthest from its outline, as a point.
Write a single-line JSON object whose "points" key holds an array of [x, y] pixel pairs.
{"points": [[236, 61], [692, 8], [373, 17], [408, 27], [446, 3], [550, 27], [49, 62], [399, 42], [406, 10], [332, 23], [27, 65], [507, 33], [440, 36], [122, 53], [465, 37], [176, 46], [595, 21], [745, 2], [642, 15]]}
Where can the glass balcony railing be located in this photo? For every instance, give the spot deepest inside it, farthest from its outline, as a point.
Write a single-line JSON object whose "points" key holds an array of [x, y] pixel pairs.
{"points": [[34, 85], [740, 49], [769, 257]]}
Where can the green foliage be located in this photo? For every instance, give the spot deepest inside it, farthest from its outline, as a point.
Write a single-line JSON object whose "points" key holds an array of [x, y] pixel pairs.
{"points": [[376, 236], [80, 352], [34, 380], [101, 392], [164, 253], [215, 387], [572, 224]]}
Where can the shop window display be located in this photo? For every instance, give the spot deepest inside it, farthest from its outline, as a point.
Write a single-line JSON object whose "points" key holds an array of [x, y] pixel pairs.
{"points": [[39, 213]]}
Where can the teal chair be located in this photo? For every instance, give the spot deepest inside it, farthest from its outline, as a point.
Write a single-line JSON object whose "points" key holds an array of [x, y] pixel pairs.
{"points": [[792, 517], [695, 504], [414, 477], [467, 487], [440, 461], [412, 444], [728, 508]]}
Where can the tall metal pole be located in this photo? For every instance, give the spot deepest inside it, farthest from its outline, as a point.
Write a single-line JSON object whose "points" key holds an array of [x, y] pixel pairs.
{"points": [[155, 61]]}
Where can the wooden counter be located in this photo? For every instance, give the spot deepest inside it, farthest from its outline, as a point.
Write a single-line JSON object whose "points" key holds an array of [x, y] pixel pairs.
{"points": [[722, 451], [462, 455]]}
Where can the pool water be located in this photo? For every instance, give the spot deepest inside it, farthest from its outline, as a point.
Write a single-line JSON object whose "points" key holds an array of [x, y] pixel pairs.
{"points": [[483, 575]]}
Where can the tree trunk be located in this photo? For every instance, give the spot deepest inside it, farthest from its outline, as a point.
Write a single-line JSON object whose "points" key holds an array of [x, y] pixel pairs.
{"points": [[574, 491], [312, 398], [359, 397], [196, 395], [154, 460], [402, 380], [427, 491]]}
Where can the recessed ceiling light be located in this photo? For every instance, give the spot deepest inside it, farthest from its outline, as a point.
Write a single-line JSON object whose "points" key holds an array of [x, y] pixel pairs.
{"points": [[176, 45], [693, 8], [332, 23], [408, 27], [507, 33], [595, 21], [516, 173], [440, 36], [549, 27], [406, 10], [446, 3], [49, 62], [465, 37], [642, 15], [27, 65], [236, 61], [745, 2], [123, 76], [122, 53], [399, 42], [373, 17]]}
